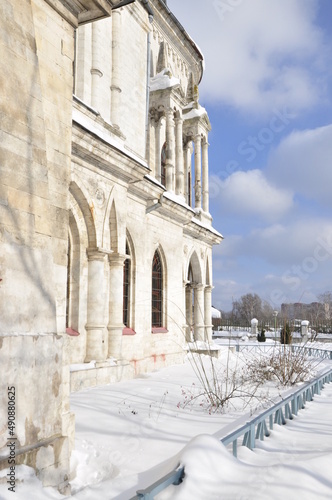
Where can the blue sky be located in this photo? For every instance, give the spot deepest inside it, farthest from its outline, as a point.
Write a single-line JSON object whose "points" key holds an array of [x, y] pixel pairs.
{"points": [[267, 88]]}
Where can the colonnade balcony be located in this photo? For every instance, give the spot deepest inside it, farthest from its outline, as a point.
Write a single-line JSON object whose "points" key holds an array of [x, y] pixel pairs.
{"points": [[178, 148]]}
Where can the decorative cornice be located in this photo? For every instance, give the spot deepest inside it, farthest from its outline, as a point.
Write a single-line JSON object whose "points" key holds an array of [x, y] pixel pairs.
{"points": [[77, 12]]}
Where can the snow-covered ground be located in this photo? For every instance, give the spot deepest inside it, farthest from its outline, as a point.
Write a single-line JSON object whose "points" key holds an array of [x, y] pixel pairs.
{"points": [[131, 433]]}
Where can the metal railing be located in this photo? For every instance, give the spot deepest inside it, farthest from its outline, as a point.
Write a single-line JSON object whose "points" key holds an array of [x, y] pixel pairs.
{"points": [[318, 352], [258, 427]]}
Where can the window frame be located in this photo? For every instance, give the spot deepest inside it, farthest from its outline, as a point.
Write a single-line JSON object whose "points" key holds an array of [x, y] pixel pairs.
{"points": [[157, 294]]}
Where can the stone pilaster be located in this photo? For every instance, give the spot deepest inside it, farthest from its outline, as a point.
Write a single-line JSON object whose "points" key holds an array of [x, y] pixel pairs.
{"points": [[179, 187], [187, 171], [116, 61], [205, 176], [198, 160], [95, 327], [115, 325], [96, 65]]}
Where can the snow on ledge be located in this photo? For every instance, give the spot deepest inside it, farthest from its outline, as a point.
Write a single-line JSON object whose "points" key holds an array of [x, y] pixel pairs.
{"points": [[177, 199], [200, 345], [103, 134], [91, 365], [154, 180], [195, 113], [206, 226], [163, 80]]}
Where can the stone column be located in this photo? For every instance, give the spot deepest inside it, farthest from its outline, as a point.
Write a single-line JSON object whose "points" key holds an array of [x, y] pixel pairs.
{"points": [[96, 65], [115, 325], [205, 176], [199, 312], [189, 311], [116, 73], [170, 143], [208, 313], [158, 151], [187, 170], [254, 325], [150, 148], [304, 330], [179, 188], [95, 326], [198, 158]]}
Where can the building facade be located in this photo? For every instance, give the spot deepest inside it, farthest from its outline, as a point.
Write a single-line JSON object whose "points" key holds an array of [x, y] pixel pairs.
{"points": [[105, 232]]}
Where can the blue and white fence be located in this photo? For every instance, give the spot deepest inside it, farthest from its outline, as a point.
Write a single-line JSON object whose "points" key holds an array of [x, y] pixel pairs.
{"points": [[259, 426]]}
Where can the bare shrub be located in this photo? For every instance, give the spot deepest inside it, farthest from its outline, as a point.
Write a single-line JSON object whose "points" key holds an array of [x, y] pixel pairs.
{"points": [[219, 383], [286, 365]]}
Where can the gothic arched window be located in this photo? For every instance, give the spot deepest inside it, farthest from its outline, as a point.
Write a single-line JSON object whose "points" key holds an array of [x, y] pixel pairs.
{"points": [[157, 291], [126, 288]]}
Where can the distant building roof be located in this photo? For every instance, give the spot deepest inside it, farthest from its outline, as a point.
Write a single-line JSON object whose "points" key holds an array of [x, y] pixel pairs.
{"points": [[215, 313]]}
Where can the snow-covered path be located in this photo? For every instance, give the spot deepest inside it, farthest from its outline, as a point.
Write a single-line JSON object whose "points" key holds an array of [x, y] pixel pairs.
{"points": [[295, 462], [144, 435]]}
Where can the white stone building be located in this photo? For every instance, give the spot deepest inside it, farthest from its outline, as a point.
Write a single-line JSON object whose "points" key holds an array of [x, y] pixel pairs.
{"points": [[105, 232]]}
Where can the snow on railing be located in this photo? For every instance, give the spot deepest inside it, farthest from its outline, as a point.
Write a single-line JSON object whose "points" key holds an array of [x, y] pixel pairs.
{"points": [[259, 426], [175, 477], [318, 352]]}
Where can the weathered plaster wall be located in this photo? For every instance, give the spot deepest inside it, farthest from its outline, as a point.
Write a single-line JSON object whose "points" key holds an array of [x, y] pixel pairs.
{"points": [[37, 49]]}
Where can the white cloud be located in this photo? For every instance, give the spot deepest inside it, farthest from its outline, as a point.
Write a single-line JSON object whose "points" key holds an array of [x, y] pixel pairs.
{"points": [[299, 253], [303, 162], [250, 194], [281, 245], [260, 54]]}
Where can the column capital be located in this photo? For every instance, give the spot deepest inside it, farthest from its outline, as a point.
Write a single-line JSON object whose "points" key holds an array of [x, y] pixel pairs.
{"points": [[159, 123], [178, 120], [169, 112], [97, 253], [116, 259], [187, 145], [209, 288]]}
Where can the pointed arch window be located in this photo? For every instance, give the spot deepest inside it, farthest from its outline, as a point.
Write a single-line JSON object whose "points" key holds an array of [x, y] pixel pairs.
{"points": [[163, 165], [128, 315], [126, 287], [190, 274], [157, 291]]}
